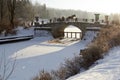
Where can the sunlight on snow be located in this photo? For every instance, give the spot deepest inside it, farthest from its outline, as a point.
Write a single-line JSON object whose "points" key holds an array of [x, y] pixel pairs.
{"points": [[40, 49], [36, 50]]}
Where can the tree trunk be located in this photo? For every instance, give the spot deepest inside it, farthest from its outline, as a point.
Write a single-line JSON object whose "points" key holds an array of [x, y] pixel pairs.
{"points": [[11, 7], [1, 10]]}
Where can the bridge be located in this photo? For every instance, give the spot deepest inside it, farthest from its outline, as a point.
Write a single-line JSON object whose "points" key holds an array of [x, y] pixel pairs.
{"points": [[57, 28]]}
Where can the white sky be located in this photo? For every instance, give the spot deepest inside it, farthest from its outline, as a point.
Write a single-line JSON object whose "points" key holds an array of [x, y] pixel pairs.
{"points": [[104, 6]]}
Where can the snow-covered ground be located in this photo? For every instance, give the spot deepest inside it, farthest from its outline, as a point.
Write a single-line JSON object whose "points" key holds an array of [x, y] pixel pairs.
{"points": [[38, 54], [107, 68], [20, 32]]}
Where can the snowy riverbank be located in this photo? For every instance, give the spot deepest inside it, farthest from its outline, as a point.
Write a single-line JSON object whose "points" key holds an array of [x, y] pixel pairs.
{"points": [[107, 68], [38, 54]]}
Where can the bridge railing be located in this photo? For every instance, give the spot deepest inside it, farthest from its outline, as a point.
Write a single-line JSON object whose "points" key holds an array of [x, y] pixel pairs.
{"points": [[78, 20]]}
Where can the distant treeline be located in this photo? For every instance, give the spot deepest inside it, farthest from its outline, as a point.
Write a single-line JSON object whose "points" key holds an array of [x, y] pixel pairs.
{"points": [[25, 10], [45, 12]]}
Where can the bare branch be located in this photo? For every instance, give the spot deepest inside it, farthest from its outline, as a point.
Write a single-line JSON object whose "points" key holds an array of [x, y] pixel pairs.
{"points": [[6, 67]]}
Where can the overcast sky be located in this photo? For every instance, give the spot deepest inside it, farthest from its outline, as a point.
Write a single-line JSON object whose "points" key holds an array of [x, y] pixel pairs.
{"points": [[104, 6]]}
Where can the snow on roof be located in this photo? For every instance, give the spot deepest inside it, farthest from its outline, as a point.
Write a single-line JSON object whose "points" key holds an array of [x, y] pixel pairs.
{"points": [[72, 28]]}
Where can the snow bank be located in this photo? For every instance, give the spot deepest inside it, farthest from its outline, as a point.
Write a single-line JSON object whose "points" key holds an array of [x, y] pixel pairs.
{"points": [[107, 69], [24, 32], [20, 32]]}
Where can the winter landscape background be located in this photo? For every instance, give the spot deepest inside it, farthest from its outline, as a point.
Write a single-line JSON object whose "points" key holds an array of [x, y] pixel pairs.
{"points": [[92, 56]]}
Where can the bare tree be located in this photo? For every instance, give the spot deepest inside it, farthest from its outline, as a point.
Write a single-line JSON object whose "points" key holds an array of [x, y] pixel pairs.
{"points": [[11, 8], [1, 9]]}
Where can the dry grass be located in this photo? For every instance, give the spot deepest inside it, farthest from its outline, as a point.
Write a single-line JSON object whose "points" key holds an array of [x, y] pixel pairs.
{"points": [[69, 68], [108, 37], [43, 76], [115, 41], [90, 55], [55, 41]]}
